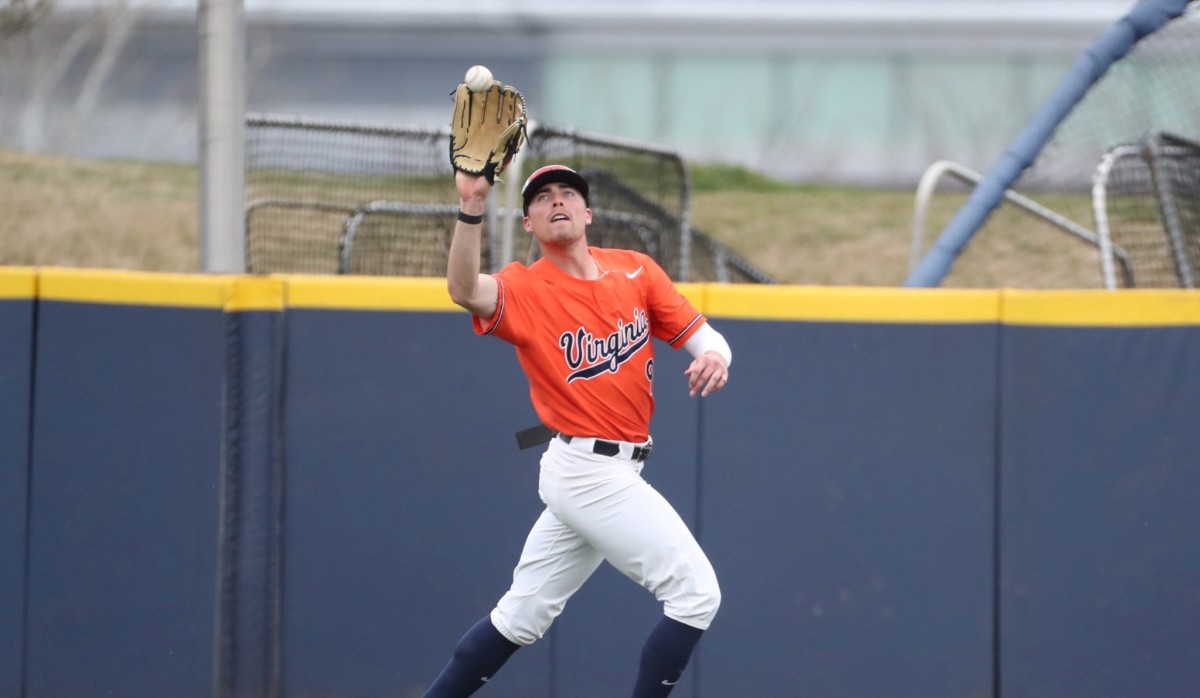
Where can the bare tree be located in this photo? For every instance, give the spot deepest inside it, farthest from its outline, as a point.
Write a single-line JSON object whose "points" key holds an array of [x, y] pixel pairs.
{"points": [[38, 49], [18, 16]]}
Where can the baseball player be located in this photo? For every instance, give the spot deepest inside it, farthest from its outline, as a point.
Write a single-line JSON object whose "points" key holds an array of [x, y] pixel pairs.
{"points": [[581, 319]]}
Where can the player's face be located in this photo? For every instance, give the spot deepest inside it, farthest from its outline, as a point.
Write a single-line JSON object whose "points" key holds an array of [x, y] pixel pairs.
{"points": [[558, 213]]}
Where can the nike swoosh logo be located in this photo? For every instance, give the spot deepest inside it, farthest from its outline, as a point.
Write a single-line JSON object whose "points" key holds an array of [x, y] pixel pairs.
{"points": [[633, 275], [670, 683]]}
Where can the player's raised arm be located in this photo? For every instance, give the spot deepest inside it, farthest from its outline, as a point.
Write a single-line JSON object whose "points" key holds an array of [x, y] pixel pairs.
{"points": [[486, 131], [474, 291]]}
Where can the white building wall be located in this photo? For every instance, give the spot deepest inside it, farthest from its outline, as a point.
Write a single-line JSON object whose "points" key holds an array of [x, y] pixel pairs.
{"points": [[854, 91]]}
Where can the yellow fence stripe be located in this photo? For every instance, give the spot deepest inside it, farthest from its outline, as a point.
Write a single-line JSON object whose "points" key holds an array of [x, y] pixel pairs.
{"points": [[131, 288], [697, 294], [17, 283], [852, 304], [1130, 308], [254, 293], [367, 293]]}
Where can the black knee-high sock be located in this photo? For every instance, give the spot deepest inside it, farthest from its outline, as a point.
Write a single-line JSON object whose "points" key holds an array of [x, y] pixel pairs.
{"points": [[664, 658], [477, 657]]}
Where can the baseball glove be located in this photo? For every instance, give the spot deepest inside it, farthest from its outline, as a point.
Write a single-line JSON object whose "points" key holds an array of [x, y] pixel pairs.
{"points": [[488, 129]]}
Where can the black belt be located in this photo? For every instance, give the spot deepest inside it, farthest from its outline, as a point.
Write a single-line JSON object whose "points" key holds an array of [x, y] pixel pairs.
{"points": [[611, 448], [540, 434]]}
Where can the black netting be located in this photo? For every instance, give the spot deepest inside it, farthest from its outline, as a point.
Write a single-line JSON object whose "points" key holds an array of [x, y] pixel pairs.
{"points": [[308, 181], [639, 197], [1148, 205], [343, 198]]}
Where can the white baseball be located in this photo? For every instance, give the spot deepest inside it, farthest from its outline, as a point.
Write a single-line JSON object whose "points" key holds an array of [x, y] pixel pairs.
{"points": [[478, 78]]}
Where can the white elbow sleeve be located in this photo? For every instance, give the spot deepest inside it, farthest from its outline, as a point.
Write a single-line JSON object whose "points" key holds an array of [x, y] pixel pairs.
{"points": [[708, 339]]}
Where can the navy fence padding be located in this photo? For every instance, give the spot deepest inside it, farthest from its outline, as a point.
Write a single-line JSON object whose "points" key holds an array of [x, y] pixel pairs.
{"points": [[408, 503], [124, 501], [844, 485], [848, 499], [407, 499], [1100, 512], [16, 356], [250, 562]]}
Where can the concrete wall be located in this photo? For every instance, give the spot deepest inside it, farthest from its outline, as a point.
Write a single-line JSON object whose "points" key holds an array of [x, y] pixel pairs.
{"points": [[310, 487]]}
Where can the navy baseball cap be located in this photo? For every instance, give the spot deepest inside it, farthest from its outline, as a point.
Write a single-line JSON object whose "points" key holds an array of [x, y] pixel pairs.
{"points": [[549, 175]]}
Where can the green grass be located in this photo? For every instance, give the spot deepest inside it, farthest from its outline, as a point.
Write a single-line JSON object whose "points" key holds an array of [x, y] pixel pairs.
{"points": [[710, 178], [143, 216]]}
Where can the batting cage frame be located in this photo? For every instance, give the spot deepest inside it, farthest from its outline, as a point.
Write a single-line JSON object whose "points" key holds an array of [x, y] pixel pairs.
{"points": [[343, 197], [1146, 203], [1139, 75]]}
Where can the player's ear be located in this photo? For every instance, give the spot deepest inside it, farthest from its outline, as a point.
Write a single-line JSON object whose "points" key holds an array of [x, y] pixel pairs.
{"points": [[587, 216], [526, 224]]}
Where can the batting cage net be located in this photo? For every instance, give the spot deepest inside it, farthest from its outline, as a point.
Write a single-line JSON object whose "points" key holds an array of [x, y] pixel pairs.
{"points": [[1147, 209], [334, 197], [640, 198], [1154, 87], [327, 197]]}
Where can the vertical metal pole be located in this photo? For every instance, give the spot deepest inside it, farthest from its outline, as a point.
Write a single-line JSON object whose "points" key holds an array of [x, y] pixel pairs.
{"points": [[222, 27], [513, 179], [1154, 151]]}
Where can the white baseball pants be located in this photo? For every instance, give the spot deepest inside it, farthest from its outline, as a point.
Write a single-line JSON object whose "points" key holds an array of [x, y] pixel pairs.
{"points": [[599, 508]]}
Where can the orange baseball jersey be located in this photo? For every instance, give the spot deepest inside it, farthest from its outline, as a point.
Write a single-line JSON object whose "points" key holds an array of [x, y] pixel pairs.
{"points": [[586, 346]]}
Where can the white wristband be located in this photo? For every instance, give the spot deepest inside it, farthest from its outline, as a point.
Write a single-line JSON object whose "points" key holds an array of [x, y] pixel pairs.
{"points": [[708, 339]]}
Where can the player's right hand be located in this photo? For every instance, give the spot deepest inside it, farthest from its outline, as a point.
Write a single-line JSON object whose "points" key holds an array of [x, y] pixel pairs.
{"points": [[707, 374]]}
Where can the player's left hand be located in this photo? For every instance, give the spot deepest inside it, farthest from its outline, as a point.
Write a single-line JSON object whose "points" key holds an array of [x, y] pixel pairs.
{"points": [[707, 374]]}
